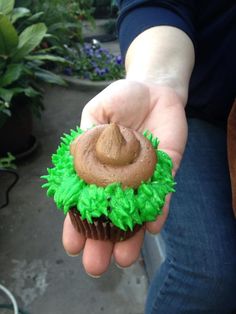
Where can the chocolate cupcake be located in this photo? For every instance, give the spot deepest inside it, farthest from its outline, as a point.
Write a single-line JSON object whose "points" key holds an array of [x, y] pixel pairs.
{"points": [[110, 179]]}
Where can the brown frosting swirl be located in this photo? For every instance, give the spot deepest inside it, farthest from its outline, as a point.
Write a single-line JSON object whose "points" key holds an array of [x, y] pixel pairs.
{"points": [[110, 153]]}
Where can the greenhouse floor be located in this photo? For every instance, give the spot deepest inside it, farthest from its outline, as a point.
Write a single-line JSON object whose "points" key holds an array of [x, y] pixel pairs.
{"points": [[33, 264]]}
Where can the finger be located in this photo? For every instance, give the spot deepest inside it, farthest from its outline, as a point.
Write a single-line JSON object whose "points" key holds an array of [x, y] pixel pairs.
{"points": [[72, 240], [127, 252], [87, 119], [97, 256], [93, 113], [156, 226], [119, 103]]}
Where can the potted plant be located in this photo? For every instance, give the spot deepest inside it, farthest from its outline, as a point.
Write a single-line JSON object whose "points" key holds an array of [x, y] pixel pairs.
{"points": [[7, 167], [91, 65], [21, 70]]}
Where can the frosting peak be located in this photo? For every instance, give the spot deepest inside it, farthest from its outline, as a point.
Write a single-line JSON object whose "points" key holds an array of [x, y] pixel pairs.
{"points": [[111, 153], [113, 149]]}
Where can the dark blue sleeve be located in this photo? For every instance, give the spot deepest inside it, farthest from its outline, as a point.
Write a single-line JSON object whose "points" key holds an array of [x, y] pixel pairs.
{"points": [[136, 16]]}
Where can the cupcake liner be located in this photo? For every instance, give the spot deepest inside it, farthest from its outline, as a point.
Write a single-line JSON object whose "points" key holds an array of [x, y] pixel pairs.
{"points": [[100, 230]]}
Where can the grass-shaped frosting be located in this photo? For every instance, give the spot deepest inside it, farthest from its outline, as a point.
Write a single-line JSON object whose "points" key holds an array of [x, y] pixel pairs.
{"points": [[123, 207]]}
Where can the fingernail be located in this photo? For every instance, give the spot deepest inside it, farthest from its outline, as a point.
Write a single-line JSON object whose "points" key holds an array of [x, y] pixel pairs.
{"points": [[120, 267], [72, 255], [93, 276]]}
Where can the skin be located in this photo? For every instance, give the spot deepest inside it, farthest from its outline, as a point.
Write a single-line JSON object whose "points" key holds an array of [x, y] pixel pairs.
{"points": [[159, 63]]}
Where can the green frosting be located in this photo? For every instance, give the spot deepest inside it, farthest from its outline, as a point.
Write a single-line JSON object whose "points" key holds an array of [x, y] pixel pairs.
{"points": [[124, 207]]}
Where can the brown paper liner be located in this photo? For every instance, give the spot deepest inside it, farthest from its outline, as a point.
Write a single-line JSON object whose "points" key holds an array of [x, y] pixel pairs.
{"points": [[100, 230]]}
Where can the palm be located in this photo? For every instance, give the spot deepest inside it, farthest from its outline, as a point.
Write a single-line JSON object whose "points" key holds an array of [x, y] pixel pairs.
{"points": [[137, 106]]}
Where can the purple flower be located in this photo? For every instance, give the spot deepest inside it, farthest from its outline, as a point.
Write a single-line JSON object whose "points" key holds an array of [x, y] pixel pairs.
{"points": [[94, 64], [97, 71], [118, 59], [98, 55], [90, 52], [104, 50], [87, 46], [102, 72]]}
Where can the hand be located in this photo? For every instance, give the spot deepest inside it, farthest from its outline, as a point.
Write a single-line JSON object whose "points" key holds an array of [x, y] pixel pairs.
{"points": [[139, 106]]}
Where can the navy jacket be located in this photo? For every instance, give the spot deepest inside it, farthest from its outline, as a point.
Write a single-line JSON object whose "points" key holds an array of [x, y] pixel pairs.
{"points": [[211, 25]]}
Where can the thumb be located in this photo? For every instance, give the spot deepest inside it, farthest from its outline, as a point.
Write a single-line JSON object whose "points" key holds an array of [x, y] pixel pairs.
{"points": [[93, 112], [88, 118]]}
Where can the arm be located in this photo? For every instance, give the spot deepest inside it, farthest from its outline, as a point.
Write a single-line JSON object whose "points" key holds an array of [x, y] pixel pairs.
{"points": [[159, 62]]}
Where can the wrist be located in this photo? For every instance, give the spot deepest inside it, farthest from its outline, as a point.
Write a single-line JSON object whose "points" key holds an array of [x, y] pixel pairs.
{"points": [[163, 83], [162, 55]]}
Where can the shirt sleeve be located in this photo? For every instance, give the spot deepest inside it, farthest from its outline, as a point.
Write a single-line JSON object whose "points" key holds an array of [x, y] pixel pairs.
{"points": [[137, 16]]}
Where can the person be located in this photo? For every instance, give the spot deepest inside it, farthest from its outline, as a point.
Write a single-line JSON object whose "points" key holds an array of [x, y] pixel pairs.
{"points": [[180, 84]]}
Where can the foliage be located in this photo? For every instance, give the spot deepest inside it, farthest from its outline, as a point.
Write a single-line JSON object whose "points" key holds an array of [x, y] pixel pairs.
{"points": [[65, 24], [7, 162], [21, 62], [92, 62]]}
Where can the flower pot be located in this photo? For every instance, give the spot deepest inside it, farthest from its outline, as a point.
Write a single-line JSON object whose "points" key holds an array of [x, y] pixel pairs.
{"points": [[102, 9], [85, 85], [16, 130]]}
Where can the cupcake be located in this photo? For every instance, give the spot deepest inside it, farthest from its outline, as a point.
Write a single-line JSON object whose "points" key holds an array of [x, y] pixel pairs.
{"points": [[110, 179]]}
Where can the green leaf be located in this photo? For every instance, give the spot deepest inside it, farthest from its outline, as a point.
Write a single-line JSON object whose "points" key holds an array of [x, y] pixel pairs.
{"points": [[18, 13], [49, 77], [8, 36], [61, 25], [29, 39], [4, 110], [7, 162], [12, 74], [34, 64], [46, 57], [49, 36], [6, 6], [35, 17], [6, 94], [31, 92]]}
